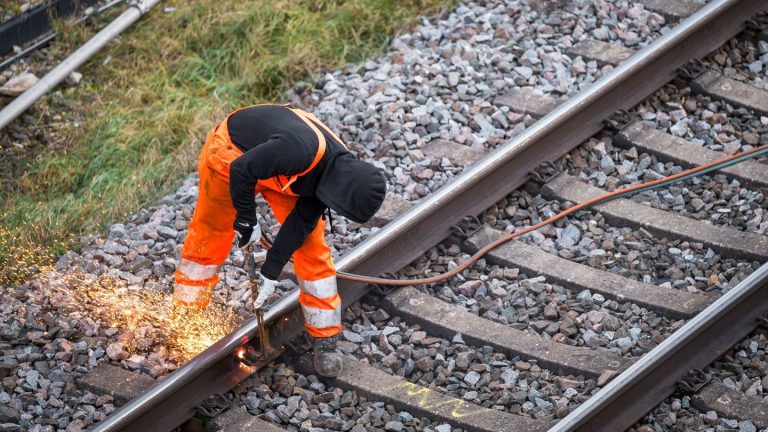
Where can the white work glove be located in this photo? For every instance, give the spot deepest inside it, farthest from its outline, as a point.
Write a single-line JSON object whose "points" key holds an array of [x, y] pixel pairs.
{"points": [[266, 288], [247, 234]]}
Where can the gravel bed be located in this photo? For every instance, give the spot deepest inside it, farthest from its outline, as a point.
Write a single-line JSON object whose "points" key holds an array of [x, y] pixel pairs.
{"points": [[705, 121], [41, 353], [677, 414], [438, 81], [475, 374], [586, 238], [508, 297], [282, 396], [717, 199], [141, 253], [743, 368], [712, 124]]}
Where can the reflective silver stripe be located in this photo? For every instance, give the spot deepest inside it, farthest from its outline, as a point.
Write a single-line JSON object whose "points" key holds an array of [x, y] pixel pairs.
{"points": [[321, 288], [195, 271], [322, 318], [188, 293]]}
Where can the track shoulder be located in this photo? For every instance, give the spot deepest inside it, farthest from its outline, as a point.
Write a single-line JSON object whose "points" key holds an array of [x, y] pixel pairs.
{"points": [[445, 319], [629, 213], [531, 259]]}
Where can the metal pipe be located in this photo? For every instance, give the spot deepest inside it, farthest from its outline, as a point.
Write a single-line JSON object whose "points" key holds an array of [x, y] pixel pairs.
{"points": [[70, 64]]}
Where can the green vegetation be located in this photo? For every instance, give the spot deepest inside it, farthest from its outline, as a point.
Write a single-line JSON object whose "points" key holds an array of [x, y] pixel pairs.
{"points": [[169, 79]]}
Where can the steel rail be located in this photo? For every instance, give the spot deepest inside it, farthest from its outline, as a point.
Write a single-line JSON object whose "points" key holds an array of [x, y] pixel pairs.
{"points": [[698, 343], [171, 401], [25, 100]]}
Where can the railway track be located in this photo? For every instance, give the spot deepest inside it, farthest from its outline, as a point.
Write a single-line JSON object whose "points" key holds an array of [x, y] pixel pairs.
{"points": [[438, 378]]}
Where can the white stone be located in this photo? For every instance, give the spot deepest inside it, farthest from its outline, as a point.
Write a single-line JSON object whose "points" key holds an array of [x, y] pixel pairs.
{"points": [[73, 78], [19, 84]]}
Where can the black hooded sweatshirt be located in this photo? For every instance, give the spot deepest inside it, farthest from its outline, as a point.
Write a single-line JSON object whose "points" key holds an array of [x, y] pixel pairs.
{"points": [[275, 141]]}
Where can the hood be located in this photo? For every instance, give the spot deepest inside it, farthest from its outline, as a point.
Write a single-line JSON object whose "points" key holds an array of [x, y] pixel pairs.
{"points": [[352, 188]]}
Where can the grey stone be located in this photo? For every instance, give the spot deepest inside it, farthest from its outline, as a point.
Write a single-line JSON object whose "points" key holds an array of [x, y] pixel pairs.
{"points": [[624, 343], [352, 336], [585, 298], [73, 78], [543, 404], [393, 426], [167, 232], [327, 421], [472, 378], [8, 415], [509, 376], [524, 72]]}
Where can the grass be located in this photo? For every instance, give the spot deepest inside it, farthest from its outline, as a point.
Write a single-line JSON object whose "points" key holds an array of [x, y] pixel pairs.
{"points": [[169, 79]]}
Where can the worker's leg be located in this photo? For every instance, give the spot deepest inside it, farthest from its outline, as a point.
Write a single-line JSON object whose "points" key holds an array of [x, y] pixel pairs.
{"points": [[209, 238], [316, 273]]}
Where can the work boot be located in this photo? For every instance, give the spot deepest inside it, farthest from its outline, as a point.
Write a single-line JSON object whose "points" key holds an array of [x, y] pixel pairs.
{"points": [[328, 361]]}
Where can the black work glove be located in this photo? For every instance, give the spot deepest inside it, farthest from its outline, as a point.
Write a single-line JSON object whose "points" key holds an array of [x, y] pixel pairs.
{"points": [[247, 233]]}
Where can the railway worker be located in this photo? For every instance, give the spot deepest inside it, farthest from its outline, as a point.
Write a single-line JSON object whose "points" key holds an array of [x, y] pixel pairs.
{"points": [[301, 168]]}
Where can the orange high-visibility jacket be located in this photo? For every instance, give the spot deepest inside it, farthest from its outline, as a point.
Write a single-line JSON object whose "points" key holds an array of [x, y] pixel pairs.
{"points": [[210, 234]]}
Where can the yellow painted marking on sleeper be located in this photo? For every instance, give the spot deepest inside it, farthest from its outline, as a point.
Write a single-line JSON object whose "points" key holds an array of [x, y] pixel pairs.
{"points": [[460, 408]]}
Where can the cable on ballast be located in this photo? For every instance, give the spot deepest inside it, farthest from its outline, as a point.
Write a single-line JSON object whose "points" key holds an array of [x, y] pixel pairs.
{"points": [[654, 184]]}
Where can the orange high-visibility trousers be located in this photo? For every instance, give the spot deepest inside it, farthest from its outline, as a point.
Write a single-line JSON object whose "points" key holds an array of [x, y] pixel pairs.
{"points": [[210, 236], [315, 272]]}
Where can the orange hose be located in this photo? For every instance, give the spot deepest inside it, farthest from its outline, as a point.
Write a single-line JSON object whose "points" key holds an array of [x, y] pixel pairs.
{"points": [[502, 240]]}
